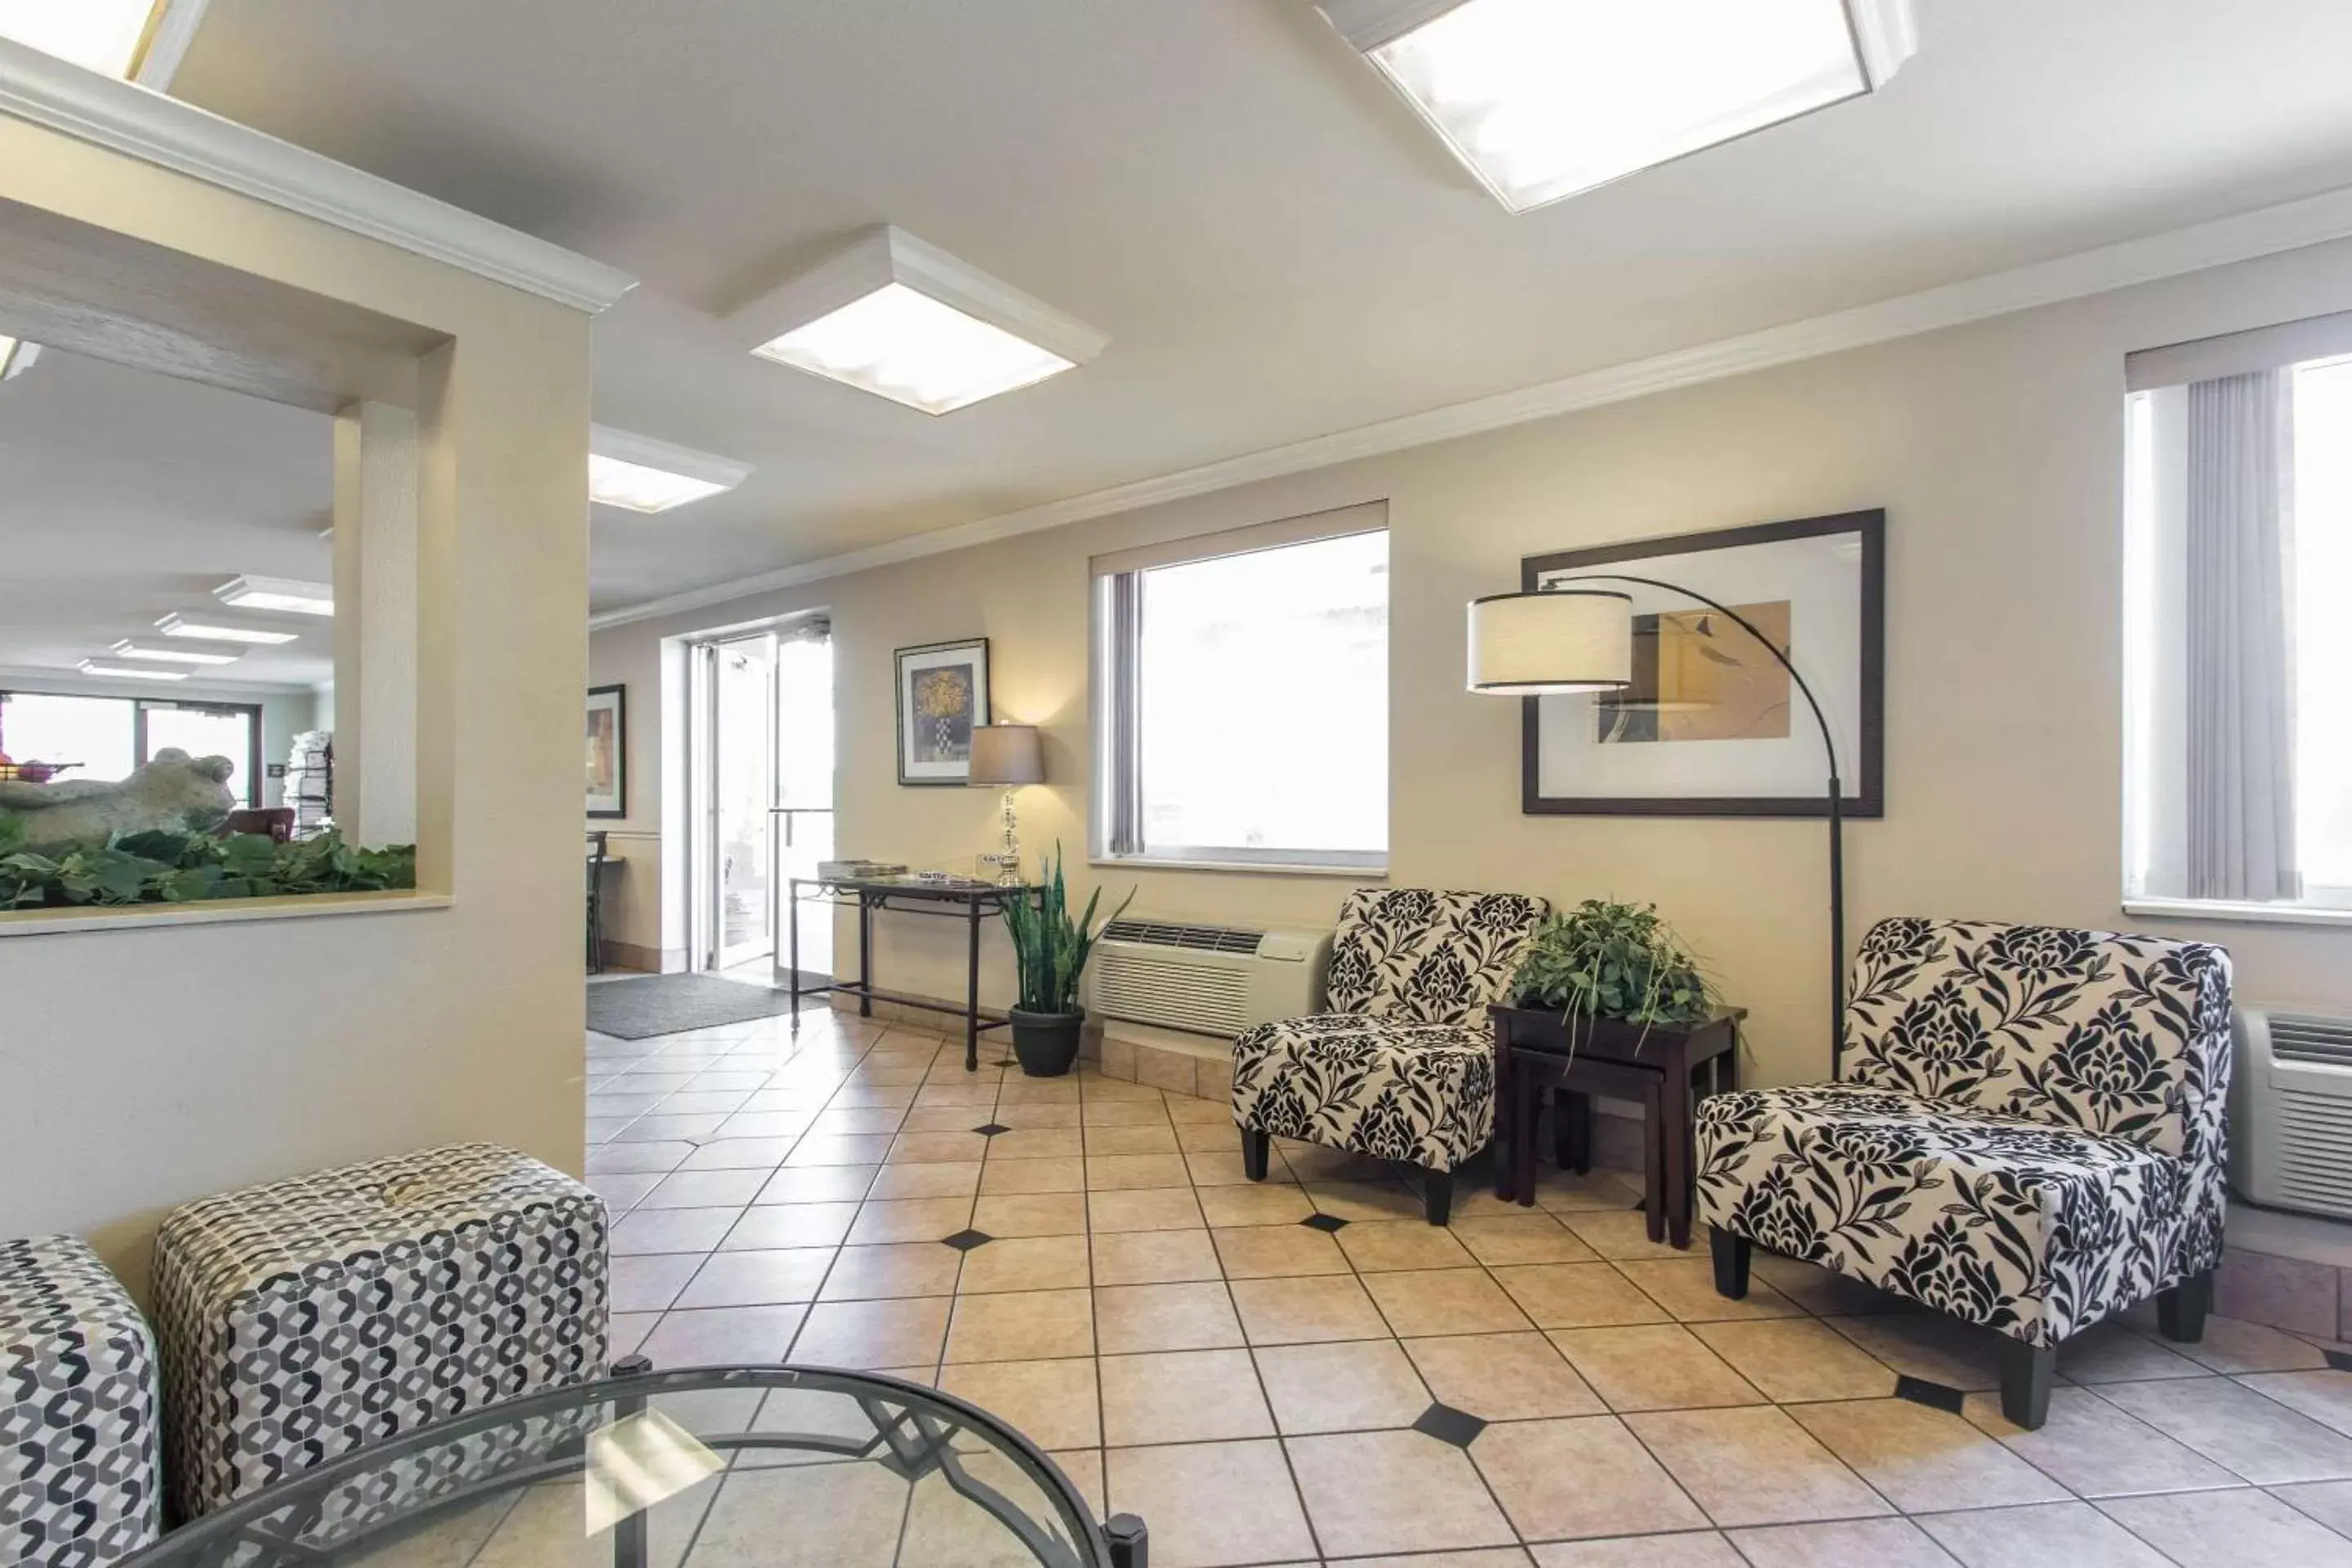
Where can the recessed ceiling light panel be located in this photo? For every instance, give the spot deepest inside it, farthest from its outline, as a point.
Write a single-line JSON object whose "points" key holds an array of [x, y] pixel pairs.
{"points": [[17, 357], [641, 474], [130, 672], [178, 625], [907, 321], [136, 40], [1544, 99], [128, 649], [277, 593]]}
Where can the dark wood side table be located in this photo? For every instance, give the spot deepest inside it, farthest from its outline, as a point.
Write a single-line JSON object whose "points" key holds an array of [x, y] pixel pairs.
{"points": [[963, 899], [1655, 1065]]}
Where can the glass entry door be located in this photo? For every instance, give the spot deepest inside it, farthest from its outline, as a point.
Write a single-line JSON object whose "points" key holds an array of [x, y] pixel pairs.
{"points": [[742, 778], [802, 834]]}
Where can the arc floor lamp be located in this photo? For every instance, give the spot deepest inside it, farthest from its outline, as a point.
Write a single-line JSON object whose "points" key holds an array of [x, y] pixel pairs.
{"points": [[1571, 638]]}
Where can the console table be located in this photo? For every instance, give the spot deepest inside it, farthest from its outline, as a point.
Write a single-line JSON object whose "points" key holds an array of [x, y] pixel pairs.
{"points": [[1652, 1064], [965, 900]]}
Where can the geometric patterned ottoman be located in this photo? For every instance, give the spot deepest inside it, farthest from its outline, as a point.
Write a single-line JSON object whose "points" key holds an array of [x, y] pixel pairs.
{"points": [[303, 1318], [79, 1486]]}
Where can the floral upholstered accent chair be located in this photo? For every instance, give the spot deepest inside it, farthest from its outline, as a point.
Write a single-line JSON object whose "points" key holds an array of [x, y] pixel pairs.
{"points": [[1402, 1067], [2029, 1136]]}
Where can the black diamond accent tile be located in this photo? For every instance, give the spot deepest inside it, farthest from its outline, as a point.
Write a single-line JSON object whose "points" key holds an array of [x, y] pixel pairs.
{"points": [[1326, 1223], [1936, 1396], [991, 1129], [2339, 1360], [1448, 1424], [965, 1240]]}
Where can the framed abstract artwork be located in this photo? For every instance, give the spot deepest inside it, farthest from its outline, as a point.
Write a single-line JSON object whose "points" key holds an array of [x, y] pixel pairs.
{"points": [[608, 750], [1712, 725], [942, 696]]}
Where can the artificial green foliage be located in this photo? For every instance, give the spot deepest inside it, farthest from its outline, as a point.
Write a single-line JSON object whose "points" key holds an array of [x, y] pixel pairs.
{"points": [[1049, 947], [163, 867], [1602, 959]]}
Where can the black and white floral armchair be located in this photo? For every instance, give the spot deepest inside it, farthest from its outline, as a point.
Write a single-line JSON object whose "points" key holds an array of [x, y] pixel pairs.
{"points": [[1402, 1067], [2029, 1136]]}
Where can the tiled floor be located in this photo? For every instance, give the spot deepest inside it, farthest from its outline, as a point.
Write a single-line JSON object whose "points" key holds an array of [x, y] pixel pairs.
{"points": [[1537, 1388]]}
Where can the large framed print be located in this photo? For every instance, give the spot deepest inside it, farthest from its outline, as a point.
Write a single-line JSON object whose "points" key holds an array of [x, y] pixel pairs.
{"points": [[1712, 725], [942, 696], [608, 750]]}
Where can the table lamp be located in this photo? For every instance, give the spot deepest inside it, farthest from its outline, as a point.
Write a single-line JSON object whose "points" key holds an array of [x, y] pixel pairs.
{"points": [[1006, 756]]}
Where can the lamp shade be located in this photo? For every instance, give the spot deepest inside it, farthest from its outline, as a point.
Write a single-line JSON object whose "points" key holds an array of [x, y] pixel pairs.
{"points": [[1006, 755], [1568, 639]]}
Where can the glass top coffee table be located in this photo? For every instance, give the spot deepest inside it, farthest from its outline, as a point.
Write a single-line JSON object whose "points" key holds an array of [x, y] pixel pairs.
{"points": [[771, 1467]]}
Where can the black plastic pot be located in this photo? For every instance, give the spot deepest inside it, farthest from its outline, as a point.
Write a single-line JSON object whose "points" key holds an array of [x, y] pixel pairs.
{"points": [[1047, 1043]]}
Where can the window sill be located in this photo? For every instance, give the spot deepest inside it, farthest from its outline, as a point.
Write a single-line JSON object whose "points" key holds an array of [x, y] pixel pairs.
{"points": [[213, 911], [2249, 914], [1246, 867]]}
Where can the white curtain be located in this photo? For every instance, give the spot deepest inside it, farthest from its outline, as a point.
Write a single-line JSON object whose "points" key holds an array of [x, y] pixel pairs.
{"points": [[2239, 799]]}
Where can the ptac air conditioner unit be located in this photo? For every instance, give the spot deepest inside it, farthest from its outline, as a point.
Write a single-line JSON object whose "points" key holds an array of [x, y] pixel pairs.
{"points": [[2291, 1112], [1209, 979]]}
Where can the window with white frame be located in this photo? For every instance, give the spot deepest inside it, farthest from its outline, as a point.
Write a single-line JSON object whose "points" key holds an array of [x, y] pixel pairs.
{"points": [[2238, 648], [1242, 705]]}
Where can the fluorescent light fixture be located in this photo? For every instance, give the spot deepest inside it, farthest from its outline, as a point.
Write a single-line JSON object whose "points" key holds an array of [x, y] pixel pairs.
{"points": [[130, 671], [136, 40], [1545, 99], [641, 474], [178, 625], [905, 320], [17, 357], [128, 649], [277, 593]]}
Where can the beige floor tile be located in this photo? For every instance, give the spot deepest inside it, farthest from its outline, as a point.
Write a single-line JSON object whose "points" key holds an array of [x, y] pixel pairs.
{"points": [[1695, 1549], [1152, 1137], [1348, 1387], [1134, 1319], [650, 1231], [1123, 1113], [1153, 1257], [946, 1179], [1503, 1377], [1031, 1214], [1200, 1111], [1520, 1239], [1218, 1137], [1578, 1296], [978, 1096], [872, 1334], [1848, 1544], [1268, 1203], [1122, 1172], [1618, 1233], [2238, 1428], [1024, 1116], [1920, 1458], [922, 1148], [1026, 1263], [1315, 1163], [1001, 1176], [1268, 1251], [1310, 1309], [1035, 1143], [901, 1269], [758, 1278], [2048, 1535], [1686, 1287], [1393, 1491], [790, 1224], [1144, 1208], [1084, 1468], [1030, 1325], [723, 1336], [838, 1151], [2113, 1353], [1181, 1396], [1365, 1203], [1753, 1466], [818, 1184], [1798, 1359], [2324, 1397], [649, 1284], [2234, 1345], [1212, 1504], [1659, 1367], [1391, 1245], [2330, 1502], [1223, 1168], [910, 1219], [2237, 1529], [1584, 1476], [756, 1510], [1564, 1192], [939, 1118], [854, 1120], [1937, 1348], [1054, 1404], [1031, 1092], [1430, 1301], [2096, 1449]]}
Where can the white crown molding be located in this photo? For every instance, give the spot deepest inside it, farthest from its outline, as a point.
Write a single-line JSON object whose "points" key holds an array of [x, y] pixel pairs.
{"points": [[2291, 225], [133, 120]]}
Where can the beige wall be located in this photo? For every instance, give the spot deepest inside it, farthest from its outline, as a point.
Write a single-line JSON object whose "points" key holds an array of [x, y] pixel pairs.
{"points": [[139, 1068], [1996, 450]]}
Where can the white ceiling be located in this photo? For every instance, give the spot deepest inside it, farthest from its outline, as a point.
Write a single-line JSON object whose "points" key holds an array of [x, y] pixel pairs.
{"points": [[1275, 245]]}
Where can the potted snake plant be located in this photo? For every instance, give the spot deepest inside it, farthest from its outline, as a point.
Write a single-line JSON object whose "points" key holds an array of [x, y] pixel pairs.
{"points": [[1050, 950]]}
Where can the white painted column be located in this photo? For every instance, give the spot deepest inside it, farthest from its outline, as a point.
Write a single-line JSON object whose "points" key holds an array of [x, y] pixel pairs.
{"points": [[377, 569]]}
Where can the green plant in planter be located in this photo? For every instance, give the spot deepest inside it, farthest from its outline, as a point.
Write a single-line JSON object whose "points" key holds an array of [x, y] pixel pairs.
{"points": [[1605, 960], [1049, 950], [165, 867]]}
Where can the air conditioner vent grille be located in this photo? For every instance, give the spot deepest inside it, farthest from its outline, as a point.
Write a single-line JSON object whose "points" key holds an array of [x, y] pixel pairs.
{"points": [[1181, 995], [1197, 937], [2313, 1150], [2307, 1039]]}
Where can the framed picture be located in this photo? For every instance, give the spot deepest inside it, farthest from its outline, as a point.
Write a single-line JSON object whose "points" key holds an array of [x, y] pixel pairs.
{"points": [[942, 694], [1712, 725], [608, 750]]}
